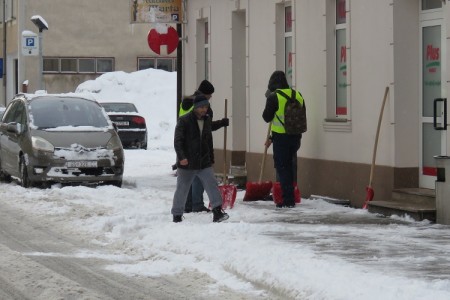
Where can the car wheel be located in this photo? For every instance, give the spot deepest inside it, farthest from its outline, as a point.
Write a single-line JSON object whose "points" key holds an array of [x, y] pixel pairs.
{"points": [[3, 176], [117, 183], [24, 179]]}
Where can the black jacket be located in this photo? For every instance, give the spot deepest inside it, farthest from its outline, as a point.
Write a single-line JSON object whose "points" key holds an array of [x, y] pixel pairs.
{"points": [[189, 145], [275, 82], [188, 102]]}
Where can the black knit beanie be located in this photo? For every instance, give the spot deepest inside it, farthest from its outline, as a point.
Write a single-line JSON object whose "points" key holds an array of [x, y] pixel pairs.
{"points": [[206, 87]]}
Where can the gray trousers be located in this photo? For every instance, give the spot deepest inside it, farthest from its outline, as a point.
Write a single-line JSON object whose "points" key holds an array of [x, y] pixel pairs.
{"points": [[184, 181]]}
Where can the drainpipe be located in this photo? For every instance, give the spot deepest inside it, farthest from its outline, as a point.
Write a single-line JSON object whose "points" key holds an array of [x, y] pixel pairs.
{"points": [[4, 52]]}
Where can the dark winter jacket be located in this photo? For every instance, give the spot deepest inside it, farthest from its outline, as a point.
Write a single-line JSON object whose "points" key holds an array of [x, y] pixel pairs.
{"points": [[188, 102], [277, 81], [189, 145]]}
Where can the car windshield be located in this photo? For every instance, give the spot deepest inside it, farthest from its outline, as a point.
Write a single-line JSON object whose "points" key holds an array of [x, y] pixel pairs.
{"points": [[51, 112], [119, 107]]}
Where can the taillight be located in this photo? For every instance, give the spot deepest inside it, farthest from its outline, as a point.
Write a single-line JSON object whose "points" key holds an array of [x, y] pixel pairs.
{"points": [[138, 120]]}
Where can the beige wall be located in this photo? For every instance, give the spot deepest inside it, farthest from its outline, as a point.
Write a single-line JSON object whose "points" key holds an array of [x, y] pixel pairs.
{"points": [[84, 28]]}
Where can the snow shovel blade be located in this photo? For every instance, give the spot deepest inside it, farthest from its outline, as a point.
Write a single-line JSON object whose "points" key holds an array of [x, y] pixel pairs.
{"points": [[228, 193], [369, 196], [278, 194], [257, 191]]}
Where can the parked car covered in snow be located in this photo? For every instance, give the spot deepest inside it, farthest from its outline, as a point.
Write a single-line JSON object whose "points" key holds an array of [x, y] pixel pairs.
{"points": [[59, 138], [130, 124]]}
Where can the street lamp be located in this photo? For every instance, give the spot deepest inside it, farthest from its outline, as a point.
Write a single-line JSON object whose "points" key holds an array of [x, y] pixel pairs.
{"points": [[42, 25]]}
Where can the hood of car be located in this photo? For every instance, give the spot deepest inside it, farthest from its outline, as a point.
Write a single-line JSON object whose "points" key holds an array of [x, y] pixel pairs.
{"points": [[65, 139]]}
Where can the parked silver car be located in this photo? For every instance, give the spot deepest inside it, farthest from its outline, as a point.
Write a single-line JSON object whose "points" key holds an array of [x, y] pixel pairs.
{"points": [[2, 111], [59, 138]]}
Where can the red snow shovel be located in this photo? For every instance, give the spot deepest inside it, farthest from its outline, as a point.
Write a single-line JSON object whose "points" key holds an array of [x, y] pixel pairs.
{"points": [[228, 191], [369, 190], [259, 190]]}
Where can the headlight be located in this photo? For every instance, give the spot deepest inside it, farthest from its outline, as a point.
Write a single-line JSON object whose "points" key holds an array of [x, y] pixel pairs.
{"points": [[114, 143], [41, 144]]}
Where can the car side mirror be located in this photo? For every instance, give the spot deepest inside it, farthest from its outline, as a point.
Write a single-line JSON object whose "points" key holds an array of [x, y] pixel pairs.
{"points": [[14, 128]]}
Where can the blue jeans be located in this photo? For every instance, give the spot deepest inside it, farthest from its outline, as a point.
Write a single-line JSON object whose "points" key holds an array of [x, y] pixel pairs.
{"points": [[195, 198], [285, 147]]}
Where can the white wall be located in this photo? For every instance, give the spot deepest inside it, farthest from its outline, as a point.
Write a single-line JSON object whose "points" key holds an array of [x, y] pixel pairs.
{"points": [[370, 58]]}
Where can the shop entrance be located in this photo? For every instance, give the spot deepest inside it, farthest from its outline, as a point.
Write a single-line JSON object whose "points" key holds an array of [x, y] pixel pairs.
{"points": [[433, 134]]}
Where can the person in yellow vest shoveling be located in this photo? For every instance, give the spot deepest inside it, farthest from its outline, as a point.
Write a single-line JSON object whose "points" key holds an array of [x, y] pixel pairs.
{"points": [[195, 202], [286, 109]]}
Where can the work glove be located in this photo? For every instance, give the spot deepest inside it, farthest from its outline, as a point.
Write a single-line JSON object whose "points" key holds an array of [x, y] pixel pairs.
{"points": [[225, 122]]}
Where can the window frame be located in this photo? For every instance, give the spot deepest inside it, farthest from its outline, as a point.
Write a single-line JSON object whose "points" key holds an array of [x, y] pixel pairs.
{"points": [[77, 65], [334, 122], [156, 64]]}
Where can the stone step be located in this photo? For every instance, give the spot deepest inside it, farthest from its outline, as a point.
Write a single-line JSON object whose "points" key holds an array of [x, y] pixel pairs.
{"points": [[417, 211], [418, 203], [414, 195]]}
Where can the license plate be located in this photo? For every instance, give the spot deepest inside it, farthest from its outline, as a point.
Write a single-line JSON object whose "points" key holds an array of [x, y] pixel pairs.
{"points": [[122, 123], [82, 164]]}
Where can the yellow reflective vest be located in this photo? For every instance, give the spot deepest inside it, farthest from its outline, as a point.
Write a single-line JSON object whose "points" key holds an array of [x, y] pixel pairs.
{"points": [[182, 112], [277, 126]]}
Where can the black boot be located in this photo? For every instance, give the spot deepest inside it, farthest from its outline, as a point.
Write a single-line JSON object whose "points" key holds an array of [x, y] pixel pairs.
{"points": [[177, 219], [219, 215]]}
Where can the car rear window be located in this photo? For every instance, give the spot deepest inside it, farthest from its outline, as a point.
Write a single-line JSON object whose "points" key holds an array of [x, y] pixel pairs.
{"points": [[57, 112], [119, 107]]}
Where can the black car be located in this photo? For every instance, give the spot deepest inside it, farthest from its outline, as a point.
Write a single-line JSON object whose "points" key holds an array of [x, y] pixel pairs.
{"points": [[130, 124]]}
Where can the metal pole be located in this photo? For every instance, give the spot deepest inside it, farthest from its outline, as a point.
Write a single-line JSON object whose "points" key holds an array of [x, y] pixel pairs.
{"points": [[41, 62], [179, 68]]}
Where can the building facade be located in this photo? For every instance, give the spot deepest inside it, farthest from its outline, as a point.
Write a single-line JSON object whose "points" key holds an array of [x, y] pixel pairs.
{"points": [[341, 55], [84, 40]]}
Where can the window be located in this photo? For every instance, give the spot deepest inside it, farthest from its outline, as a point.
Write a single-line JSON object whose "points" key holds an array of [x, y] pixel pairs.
{"points": [[284, 40], [338, 112], [10, 9], [51, 65], [104, 65], [166, 63], [69, 65], [341, 60], [288, 43], [431, 4], [78, 65], [206, 51], [203, 53], [146, 63], [86, 65]]}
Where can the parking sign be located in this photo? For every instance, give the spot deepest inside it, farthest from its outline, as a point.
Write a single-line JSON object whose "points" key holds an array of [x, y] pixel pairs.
{"points": [[30, 43]]}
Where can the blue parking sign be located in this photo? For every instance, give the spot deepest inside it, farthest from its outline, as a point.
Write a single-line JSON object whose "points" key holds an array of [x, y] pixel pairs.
{"points": [[29, 41]]}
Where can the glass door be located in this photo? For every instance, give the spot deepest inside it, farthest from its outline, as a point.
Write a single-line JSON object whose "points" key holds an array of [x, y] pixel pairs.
{"points": [[433, 94]]}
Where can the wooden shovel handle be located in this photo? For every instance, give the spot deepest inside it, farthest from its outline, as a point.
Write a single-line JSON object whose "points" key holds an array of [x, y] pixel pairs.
{"points": [[265, 153], [380, 117]]}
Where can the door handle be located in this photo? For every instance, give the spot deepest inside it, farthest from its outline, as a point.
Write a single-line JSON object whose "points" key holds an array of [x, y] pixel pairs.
{"points": [[435, 116]]}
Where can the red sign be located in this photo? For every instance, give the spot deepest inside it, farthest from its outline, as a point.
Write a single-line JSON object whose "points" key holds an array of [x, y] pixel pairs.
{"points": [[156, 39]]}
